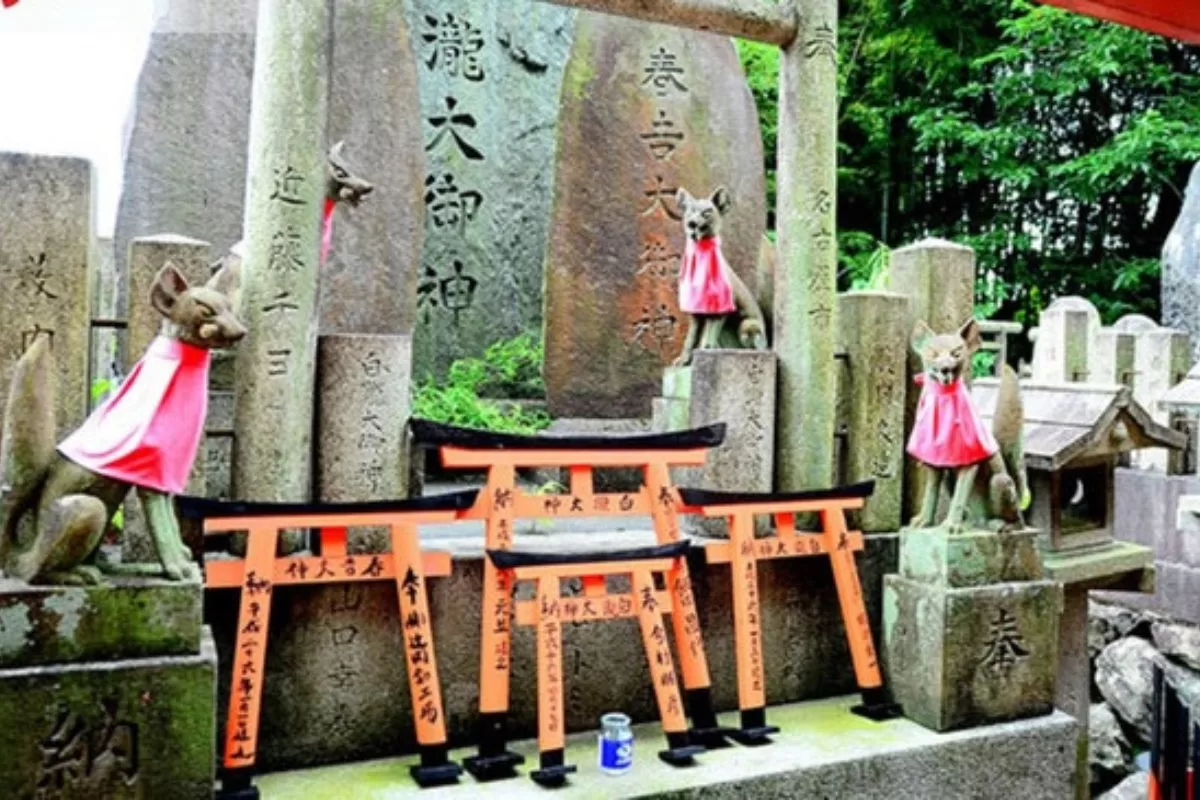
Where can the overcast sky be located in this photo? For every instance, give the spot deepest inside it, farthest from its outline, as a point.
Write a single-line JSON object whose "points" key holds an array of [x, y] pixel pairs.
{"points": [[68, 70]]}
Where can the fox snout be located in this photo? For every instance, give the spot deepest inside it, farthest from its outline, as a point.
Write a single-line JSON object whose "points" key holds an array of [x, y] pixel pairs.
{"points": [[945, 369], [354, 192], [224, 331]]}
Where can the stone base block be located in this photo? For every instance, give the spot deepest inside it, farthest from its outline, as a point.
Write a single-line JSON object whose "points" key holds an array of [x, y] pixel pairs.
{"points": [[1176, 593], [116, 730], [132, 618], [974, 558], [957, 658], [821, 751]]}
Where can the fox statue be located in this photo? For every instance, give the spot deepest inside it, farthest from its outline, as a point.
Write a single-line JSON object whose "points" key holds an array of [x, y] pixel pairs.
{"points": [[144, 436], [711, 293], [984, 469]]}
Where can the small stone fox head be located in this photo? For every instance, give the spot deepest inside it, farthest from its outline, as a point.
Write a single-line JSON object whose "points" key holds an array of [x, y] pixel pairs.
{"points": [[342, 185], [702, 217], [946, 357], [199, 315]]}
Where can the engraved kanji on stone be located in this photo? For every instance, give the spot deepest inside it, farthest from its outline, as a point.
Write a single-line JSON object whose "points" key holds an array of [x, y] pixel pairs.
{"points": [[34, 277], [657, 197], [447, 125], [287, 186], [658, 258], [664, 73], [448, 205], [822, 44], [454, 43], [284, 253], [663, 137], [1005, 645]]}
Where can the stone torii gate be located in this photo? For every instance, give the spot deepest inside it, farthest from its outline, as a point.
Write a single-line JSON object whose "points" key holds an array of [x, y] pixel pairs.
{"points": [[806, 281]]}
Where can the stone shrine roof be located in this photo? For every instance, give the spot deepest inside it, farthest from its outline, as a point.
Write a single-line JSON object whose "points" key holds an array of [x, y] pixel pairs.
{"points": [[1185, 395], [1068, 421]]}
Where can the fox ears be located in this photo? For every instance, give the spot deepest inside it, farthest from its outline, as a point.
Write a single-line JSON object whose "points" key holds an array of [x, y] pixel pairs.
{"points": [[170, 284], [969, 332], [720, 199]]}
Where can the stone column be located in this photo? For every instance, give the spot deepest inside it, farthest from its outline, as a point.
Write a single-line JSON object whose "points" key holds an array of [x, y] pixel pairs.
{"points": [[285, 188], [1072, 687], [147, 255], [736, 387], [875, 340], [805, 329], [939, 279], [361, 429], [46, 257]]}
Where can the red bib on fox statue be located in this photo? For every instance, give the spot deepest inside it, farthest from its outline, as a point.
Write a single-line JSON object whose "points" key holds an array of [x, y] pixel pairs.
{"points": [[948, 431], [703, 285], [148, 432]]}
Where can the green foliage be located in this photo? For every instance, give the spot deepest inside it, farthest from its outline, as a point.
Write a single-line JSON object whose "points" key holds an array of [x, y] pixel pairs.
{"points": [[1054, 144], [101, 387], [761, 64], [508, 369], [983, 364]]}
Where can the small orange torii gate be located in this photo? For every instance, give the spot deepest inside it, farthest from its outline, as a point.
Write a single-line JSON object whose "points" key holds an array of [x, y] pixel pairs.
{"points": [[262, 570], [501, 503]]}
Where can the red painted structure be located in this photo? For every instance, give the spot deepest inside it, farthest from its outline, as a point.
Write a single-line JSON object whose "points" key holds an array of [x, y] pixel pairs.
{"points": [[1178, 19]]}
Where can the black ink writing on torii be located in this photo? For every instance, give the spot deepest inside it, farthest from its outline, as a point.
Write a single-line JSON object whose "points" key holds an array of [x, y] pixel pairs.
{"points": [[288, 183], [822, 44], [447, 126], [1005, 646], [448, 205], [456, 44], [410, 585], [664, 73], [34, 277], [284, 253], [657, 197], [75, 756], [663, 138], [658, 259], [282, 303]]}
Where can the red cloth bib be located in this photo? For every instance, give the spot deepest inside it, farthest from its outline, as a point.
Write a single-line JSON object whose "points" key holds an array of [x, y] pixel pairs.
{"points": [[148, 432], [327, 228], [948, 431], [703, 285]]}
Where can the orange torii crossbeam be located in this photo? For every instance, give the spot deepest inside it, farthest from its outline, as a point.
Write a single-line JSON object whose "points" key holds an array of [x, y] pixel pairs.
{"points": [[743, 552], [261, 571], [547, 612], [501, 503]]}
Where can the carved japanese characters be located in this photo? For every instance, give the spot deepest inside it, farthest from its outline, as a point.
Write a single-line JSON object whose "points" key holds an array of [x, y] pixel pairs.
{"points": [[711, 293], [950, 440], [144, 436]]}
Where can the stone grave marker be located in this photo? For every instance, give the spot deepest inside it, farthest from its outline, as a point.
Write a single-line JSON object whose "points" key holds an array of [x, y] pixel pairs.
{"points": [[185, 167], [490, 74], [369, 279], [46, 223], [646, 109], [1063, 341], [1181, 267]]}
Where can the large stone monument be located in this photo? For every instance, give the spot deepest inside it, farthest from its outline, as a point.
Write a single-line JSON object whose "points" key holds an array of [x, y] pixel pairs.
{"points": [[1181, 267], [646, 109], [490, 76]]}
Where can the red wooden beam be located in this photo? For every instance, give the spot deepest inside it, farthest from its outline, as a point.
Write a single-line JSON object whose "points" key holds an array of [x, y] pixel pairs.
{"points": [[1177, 19]]}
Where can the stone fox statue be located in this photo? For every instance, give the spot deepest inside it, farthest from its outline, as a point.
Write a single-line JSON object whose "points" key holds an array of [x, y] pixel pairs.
{"points": [[949, 438], [710, 293], [144, 436]]}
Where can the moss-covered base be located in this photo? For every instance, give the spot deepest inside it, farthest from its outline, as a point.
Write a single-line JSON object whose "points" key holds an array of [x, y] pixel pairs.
{"points": [[115, 730], [131, 618], [957, 658], [972, 558]]}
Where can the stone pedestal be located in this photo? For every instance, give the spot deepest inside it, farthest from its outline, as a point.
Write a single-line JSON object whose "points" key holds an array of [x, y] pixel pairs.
{"points": [[970, 633], [106, 691]]}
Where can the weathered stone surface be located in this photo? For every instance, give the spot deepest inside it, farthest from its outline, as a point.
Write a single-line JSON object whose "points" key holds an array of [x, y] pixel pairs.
{"points": [[185, 167], [646, 109], [822, 751], [805, 312], [1106, 624], [1109, 751], [491, 74], [736, 387], [117, 730], [369, 282], [365, 399], [275, 363], [131, 618], [335, 689], [939, 279], [46, 227], [1125, 677], [1132, 788], [1063, 341], [1180, 642], [147, 255], [875, 341], [1181, 267], [973, 558], [962, 657]]}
